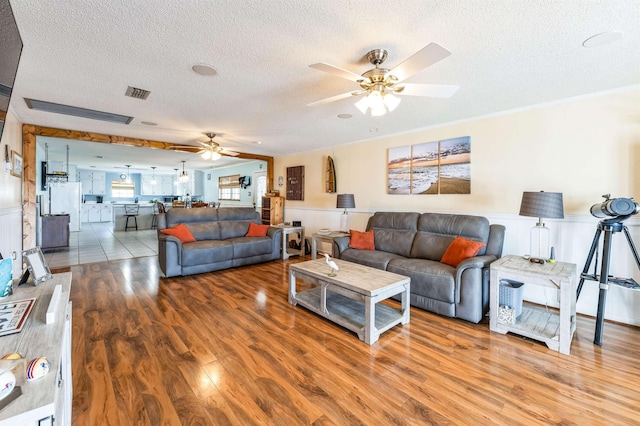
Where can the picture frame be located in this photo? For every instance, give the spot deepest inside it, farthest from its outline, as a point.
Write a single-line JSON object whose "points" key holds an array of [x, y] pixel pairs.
{"points": [[16, 164], [36, 265]]}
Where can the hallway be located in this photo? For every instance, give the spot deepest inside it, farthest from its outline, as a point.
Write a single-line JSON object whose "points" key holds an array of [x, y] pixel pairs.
{"points": [[98, 242]]}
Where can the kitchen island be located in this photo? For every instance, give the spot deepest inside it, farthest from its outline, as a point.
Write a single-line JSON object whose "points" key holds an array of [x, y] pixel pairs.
{"points": [[145, 216]]}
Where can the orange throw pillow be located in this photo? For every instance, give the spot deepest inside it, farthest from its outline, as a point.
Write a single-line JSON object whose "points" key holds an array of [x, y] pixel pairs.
{"points": [[362, 240], [181, 232], [256, 230], [459, 250]]}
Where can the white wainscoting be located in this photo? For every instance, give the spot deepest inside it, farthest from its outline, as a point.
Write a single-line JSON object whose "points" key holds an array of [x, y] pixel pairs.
{"points": [[571, 237], [11, 237]]}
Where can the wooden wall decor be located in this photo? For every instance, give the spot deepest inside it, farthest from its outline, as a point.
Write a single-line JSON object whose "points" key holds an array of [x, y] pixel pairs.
{"points": [[330, 176], [295, 183]]}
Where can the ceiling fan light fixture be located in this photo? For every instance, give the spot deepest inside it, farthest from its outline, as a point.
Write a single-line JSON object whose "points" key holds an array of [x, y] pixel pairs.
{"points": [[363, 104], [391, 101], [206, 155], [215, 156]]}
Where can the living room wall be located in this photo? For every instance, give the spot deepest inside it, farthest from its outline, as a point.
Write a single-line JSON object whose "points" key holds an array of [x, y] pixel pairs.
{"points": [[11, 196], [583, 147]]}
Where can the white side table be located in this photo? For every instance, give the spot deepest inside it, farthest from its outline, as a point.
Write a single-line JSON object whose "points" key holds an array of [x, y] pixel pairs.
{"points": [[288, 252], [326, 238], [553, 328]]}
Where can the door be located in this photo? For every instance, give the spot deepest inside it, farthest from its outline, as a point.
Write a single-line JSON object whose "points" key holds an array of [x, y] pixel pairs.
{"points": [[260, 188]]}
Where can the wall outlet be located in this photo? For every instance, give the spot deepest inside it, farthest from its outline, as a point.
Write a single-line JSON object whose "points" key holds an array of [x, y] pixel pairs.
{"points": [[14, 255]]}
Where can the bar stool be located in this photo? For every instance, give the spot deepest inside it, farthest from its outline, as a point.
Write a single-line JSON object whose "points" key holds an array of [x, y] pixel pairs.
{"points": [[131, 211]]}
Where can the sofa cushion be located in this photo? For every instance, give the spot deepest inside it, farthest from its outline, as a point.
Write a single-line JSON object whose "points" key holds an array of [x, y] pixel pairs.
{"points": [[361, 240], [250, 246], [373, 258], [232, 229], [394, 232], [181, 232], [459, 250], [436, 231], [429, 278], [205, 230], [256, 230], [177, 216], [207, 251]]}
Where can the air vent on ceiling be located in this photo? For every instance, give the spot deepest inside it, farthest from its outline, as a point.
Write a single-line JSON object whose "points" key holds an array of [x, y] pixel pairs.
{"points": [[77, 112], [134, 92]]}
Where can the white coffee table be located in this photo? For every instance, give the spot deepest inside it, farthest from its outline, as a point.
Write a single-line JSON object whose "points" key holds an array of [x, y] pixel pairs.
{"points": [[351, 298]]}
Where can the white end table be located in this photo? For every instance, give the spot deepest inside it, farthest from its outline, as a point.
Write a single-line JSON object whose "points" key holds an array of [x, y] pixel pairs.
{"points": [[288, 252], [326, 238], [555, 329]]}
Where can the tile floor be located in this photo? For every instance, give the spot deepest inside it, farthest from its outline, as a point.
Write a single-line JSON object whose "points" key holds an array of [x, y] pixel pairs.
{"points": [[98, 242]]}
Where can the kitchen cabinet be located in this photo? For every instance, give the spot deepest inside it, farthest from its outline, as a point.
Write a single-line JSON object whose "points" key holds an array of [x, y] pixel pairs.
{"points": [[163, 186], [94, 213], [93, 183]]}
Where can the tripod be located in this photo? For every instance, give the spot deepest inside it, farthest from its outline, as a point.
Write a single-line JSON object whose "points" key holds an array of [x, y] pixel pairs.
{"points": [[610, 227]]}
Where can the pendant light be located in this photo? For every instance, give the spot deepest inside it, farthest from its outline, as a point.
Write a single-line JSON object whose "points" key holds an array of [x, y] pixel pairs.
{"points": [[184, 176], [128, 175], [177, 178], [153, 177]]}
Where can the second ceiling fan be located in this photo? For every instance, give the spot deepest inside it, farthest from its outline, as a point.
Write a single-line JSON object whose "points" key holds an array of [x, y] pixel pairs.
{"points": [[381, 84], [209, 150]]}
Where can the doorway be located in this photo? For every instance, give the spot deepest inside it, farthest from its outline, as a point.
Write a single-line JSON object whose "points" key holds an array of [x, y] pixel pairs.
{"points": [[260, 180]]}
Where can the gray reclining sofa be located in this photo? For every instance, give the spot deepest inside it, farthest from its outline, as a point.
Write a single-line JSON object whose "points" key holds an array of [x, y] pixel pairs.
{"points": [[412, 244], [220, 240]]}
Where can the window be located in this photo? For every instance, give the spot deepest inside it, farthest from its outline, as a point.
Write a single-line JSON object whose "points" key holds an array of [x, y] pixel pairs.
{"points": [[229, 188], [122, 189]]}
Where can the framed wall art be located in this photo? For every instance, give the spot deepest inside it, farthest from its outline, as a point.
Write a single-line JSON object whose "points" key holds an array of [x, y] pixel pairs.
{"points": [[16, 164]]}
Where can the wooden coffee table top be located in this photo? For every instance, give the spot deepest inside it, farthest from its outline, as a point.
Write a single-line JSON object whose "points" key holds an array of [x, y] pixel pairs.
{"points": [[358, 278]]}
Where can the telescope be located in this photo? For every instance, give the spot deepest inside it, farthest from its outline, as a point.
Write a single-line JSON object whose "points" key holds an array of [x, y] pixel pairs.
{"points": [[613, 211], [615, 207]]}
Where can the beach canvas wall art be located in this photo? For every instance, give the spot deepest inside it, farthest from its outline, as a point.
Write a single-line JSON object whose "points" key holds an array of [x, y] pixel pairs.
{"points": [[455, 166], [424, 168], [442, 167], [399, 170]]}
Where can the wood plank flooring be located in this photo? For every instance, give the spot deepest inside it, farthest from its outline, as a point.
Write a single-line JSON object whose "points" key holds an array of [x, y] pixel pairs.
{"points": [[226, 348]]}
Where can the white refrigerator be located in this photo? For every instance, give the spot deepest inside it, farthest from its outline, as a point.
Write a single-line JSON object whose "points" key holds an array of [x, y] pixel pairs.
{"points": [[67, 199]]}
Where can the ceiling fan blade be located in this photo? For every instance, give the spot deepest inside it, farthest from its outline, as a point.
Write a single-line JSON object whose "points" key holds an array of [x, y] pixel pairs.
{"points": [[322, 66], [422, 59], [429, 90], [332, 99]]}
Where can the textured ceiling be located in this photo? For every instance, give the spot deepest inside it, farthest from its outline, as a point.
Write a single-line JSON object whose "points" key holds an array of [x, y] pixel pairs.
{"points": [[505, 54]]}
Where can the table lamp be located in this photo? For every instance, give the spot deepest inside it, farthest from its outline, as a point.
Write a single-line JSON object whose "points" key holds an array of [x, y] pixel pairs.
{"points": [[345, 201], [541, 204]]}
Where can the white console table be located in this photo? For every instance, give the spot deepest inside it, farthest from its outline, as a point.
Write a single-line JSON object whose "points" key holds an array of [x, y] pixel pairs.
{"points": [[45, 401]]}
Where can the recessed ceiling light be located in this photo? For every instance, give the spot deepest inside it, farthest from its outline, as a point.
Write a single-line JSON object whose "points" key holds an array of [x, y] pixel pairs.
{"points": [[258, 142], [149, 123], [204, 69], [602, 39], [345, 116]]}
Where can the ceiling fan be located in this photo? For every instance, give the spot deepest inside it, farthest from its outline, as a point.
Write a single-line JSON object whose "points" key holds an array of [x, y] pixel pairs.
{"points": [[381, 84], [210, 150]]}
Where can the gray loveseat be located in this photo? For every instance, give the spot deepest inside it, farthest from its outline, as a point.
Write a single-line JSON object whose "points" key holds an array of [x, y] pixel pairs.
{"points": [[412, 244], [220, 240]]}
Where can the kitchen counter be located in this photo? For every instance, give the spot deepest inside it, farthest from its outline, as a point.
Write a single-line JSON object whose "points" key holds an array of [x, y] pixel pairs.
{"points": [[145, 216]]}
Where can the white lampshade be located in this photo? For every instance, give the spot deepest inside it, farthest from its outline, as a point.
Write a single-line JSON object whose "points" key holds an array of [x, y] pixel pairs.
{"points": [[215, 156], [206, 155], [378, 103]]}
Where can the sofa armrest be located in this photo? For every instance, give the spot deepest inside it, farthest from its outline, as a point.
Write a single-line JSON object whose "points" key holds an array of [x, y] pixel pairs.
{"points": [[477, 262], [275, 233], [340, 244]]}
